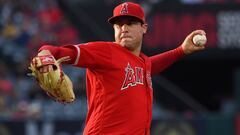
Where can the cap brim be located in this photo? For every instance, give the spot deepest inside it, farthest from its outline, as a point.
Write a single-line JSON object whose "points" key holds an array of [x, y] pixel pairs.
{"points": [[113, 19]]}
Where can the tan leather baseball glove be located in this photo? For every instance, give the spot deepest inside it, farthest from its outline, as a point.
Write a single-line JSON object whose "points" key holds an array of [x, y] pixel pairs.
{"points": [[55, 83]]}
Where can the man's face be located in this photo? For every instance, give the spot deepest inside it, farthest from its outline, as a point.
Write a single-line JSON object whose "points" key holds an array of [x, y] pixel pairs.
{"points": [[129, 32]]}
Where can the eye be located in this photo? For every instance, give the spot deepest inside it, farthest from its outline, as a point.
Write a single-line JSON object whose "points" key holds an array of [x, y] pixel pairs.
{"points": [[134, 22], [119, 24], [116, 25], [127, 21]]}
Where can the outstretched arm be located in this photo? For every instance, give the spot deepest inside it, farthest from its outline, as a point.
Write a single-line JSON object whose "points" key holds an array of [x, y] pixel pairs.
{"points": [[161, 61], [59, 52]]}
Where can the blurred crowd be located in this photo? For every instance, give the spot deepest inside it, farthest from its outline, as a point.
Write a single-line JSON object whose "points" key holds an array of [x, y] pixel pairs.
{"points": [[25, 26]]}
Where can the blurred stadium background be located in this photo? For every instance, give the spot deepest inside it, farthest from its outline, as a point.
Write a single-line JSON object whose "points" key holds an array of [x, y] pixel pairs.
{"points": [[199, 95]]}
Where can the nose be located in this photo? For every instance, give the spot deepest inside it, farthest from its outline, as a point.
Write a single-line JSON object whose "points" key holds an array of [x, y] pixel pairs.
{"points": [[124, 28]]}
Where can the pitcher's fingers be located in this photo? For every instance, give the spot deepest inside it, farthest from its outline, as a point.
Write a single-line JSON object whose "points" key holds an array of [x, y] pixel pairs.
{"points": [[45, 69], [41, 69], [202, 32], [50, 68]]}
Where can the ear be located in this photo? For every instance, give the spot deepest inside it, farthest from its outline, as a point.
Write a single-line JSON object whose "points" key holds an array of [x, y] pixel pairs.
{"points": [[145, 27]]}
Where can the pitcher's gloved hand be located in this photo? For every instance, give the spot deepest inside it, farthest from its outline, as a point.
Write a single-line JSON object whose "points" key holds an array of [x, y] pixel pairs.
{"points": [[53, 81]]}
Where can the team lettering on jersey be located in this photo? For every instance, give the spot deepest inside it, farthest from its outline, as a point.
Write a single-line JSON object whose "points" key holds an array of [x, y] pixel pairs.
{"points": [[149, 79], [132, 77]]}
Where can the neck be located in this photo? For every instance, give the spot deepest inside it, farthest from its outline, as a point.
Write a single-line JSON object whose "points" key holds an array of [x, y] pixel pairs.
{"points": [[137, 51]]}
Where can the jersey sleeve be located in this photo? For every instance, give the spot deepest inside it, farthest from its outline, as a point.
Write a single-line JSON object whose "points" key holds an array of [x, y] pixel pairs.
{"points": [[88, 55], [94, 55], [161, 61], [61, 51]]}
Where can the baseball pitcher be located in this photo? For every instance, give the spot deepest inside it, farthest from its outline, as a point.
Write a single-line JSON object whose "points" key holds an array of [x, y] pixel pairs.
{"points": [[119, 86]]}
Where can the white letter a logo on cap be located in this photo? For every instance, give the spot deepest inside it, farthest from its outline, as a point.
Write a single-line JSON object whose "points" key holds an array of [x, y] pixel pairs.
{"points": [[124, 9]]}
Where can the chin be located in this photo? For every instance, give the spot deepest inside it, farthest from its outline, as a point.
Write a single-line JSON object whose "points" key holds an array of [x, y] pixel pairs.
{"points": [[126, 45], [129, 47]]}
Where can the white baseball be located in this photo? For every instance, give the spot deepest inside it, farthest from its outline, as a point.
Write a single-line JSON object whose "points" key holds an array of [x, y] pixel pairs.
{"points": [[199, 40]]}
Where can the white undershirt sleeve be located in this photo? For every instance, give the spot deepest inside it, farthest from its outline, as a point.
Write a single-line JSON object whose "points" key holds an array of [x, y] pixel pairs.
{"points": [[78, 54]]}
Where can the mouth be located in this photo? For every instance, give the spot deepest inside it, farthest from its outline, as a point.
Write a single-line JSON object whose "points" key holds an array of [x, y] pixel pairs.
{"points": [[125, 37]]}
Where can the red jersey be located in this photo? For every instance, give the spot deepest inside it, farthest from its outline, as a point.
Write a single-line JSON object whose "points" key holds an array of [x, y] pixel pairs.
{"points": [[119, 87]]}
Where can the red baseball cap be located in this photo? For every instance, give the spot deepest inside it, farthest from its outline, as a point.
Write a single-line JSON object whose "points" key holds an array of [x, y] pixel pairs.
{"points": [[128, 9]]}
